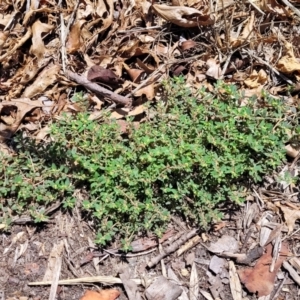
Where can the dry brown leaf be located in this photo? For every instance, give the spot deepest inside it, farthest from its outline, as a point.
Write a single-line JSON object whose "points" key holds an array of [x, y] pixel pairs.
{"points": [[3, 38], [42, 133], [288, 63], [15, 46], [135, 74], [246, 33], [105, 10], [182, 16], [109, 294], [46, 78], [187, 45], [214, 69], [23, 106], [291, 215], [119, 113], [38, 47], [256, 79], [259, 279], [74, 41], [273, 6], [143, 6], [148, 91], [137, 110]]}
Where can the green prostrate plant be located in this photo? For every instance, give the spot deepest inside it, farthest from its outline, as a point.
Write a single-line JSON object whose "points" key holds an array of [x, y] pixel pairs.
{"points": [[193, 154]]}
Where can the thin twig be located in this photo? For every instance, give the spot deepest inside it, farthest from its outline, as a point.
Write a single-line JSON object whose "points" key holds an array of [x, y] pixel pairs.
{"points": [[140, 29], [97, 89], [106, 280], [130, 255], [62, 40], [155, 260]]}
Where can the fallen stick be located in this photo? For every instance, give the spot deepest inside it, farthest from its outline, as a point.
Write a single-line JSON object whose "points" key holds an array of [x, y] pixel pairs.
{"points": [[106, 280], [165, 252], [97, 89]]}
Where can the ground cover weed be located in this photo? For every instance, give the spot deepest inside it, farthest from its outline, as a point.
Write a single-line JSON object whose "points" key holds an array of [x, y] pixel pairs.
{"points": [[195, 153]]}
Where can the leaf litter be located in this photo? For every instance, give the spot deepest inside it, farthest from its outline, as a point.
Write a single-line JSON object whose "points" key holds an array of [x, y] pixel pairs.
{"points": [[119, 52]]}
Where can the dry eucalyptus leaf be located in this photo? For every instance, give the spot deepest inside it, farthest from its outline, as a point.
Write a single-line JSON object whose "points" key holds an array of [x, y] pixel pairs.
{"points": [[235, 284], [194, 283], [182, 16]]}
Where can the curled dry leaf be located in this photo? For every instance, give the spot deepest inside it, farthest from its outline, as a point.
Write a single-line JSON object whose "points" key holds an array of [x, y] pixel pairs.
{"points": [[148, 91], [38, 47], [259, 279], [214, 69], [246, 33], [74, 41], [100, 74], [288, 63], [290, 216], [182, 16], [22, 106], [105, 10], [143, 6], [135, 74], [256, 79], [188, 44]]}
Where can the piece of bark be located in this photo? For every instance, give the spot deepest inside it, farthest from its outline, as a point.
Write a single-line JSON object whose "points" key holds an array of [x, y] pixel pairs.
{"points": [[163, 289], [130, 286], [252, 255], [173, 277], [97, 89]]}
